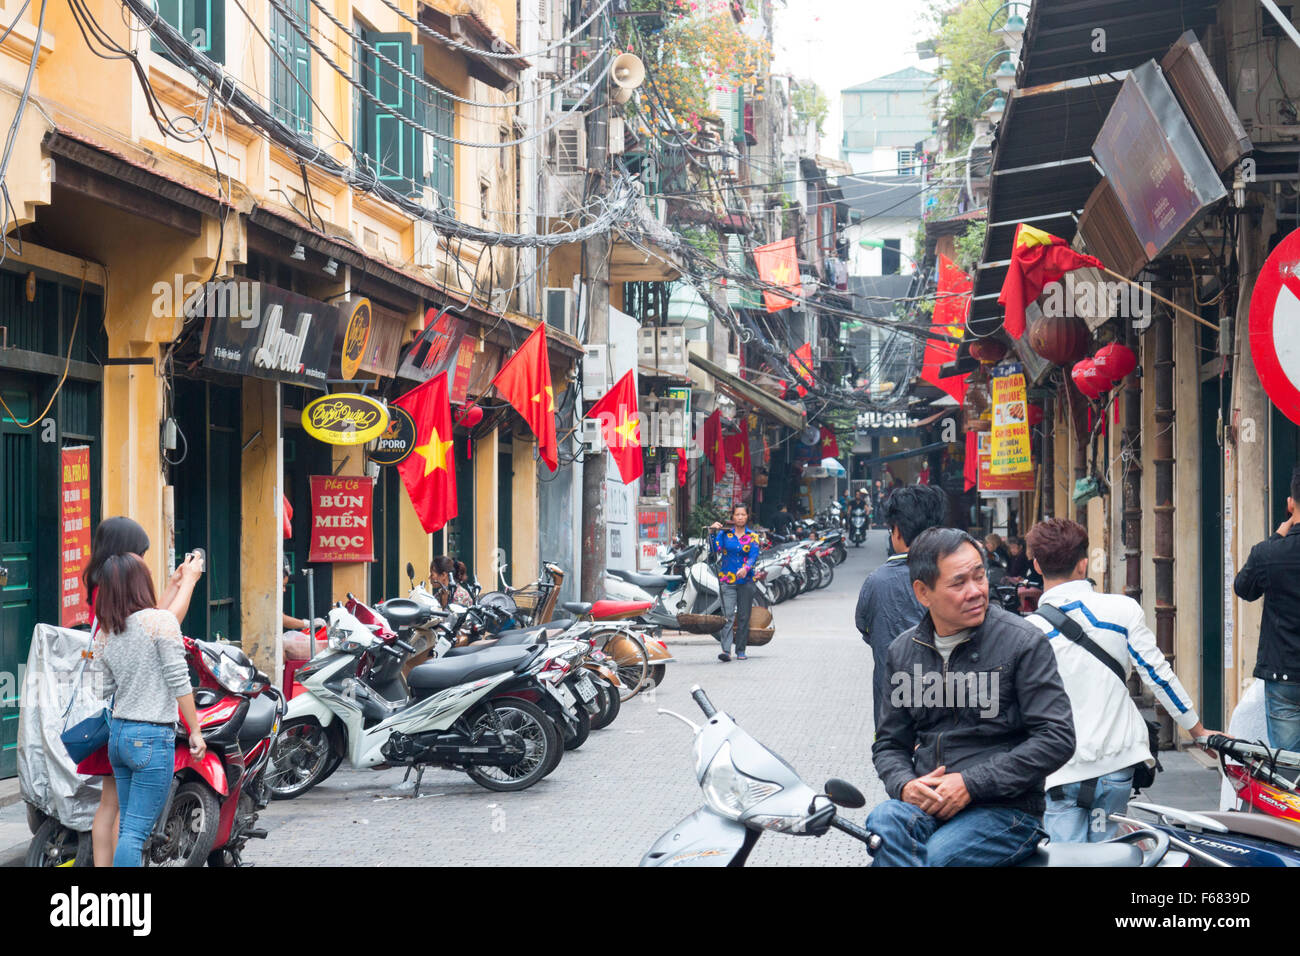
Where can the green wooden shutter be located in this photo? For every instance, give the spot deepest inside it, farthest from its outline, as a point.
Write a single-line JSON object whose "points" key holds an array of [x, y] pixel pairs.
{"points": [[442, 169], [202, 22], [289, 90], [394, 148]]}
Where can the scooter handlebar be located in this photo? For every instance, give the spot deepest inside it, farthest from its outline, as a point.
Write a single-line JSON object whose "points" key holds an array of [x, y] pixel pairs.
{"points": [[872, 840], [698, 695]]}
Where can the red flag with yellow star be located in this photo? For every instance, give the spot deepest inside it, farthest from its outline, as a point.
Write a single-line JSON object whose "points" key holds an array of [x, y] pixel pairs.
{"points": [[429, 471], [737, 449], [1037, 259], [778, 264], [525, 382], [620, 423]]}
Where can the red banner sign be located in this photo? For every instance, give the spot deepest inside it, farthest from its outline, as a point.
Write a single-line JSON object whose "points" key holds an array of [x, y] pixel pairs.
{"points": [[74, 535], [342, 519], [999, 486]]}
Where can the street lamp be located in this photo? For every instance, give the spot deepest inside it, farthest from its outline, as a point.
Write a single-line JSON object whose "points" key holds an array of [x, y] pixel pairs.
{"points": [[1013, 31], [1005, 76]]}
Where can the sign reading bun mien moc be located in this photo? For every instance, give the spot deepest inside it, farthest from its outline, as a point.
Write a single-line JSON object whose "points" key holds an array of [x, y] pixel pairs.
{"points": [[341, 509], [345, 419]]}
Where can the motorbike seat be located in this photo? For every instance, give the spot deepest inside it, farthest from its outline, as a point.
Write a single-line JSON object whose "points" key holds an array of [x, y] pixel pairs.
{"points": [[521, 635], [577, 608], [648, 582], [449, 672], [1085, 854], [403, 612], [258, 721], [1258, 825]]}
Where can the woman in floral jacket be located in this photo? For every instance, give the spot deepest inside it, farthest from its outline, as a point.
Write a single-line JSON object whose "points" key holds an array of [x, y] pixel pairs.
{"points": [[736, 549]]}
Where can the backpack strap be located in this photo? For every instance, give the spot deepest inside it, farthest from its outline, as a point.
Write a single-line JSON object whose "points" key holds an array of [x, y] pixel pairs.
{"points": [[1072, 631]]}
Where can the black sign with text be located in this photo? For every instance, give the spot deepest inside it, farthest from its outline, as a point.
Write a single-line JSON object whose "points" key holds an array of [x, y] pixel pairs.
{"points": [[261, 331]]}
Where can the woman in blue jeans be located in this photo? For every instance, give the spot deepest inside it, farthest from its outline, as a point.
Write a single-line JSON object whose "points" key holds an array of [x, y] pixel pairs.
{"points": [[737, 549], [145, 670]]}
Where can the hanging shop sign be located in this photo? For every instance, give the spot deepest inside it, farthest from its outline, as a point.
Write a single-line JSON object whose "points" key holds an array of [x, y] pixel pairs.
{"points": [[398, 440], [74, 535], [1275, 327], [341, 513], [886, 421], [387, 333], [1010, 434], [437, 348], [258, 330], [356, 336], [340, 419], [998, 486]]}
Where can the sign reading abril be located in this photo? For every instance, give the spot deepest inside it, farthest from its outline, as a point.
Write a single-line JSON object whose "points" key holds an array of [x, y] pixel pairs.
{"points": [[74, 535], [341, 519]]}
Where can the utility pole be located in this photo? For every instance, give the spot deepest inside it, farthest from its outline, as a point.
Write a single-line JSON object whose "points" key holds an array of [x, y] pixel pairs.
{"points": [[596, 252]]}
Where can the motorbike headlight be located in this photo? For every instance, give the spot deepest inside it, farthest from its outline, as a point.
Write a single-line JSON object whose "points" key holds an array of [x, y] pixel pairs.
{"points": [[234, 677], [730, 792]]}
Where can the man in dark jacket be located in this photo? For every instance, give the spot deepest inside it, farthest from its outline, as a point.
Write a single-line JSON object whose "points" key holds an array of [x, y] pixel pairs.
{"points": [[886, 605], [1273, 572], [977, 719]]}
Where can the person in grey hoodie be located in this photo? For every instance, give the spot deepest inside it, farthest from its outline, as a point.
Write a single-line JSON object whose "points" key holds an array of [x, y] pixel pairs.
{"points": [[886, 604]]}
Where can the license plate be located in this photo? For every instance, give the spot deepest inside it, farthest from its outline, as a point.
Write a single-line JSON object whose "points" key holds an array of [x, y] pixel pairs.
{"points": [[586, 690], [442, 647], [563, 695]]}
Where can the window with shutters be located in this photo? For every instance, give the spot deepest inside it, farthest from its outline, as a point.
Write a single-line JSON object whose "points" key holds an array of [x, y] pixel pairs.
{"points": [[440, 152], [291, 64], [202, 22], [392, 107]]}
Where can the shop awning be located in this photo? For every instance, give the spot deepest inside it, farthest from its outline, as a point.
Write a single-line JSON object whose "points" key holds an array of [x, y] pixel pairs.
{"points": [[900, 455], [734, 385]]}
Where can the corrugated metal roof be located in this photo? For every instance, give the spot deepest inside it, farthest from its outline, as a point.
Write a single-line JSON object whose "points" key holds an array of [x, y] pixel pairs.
{"points": [[876, 195], [909, 78]]}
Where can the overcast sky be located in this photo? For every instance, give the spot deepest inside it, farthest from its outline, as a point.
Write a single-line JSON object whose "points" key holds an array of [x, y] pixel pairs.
{"points": [[840, 43]]}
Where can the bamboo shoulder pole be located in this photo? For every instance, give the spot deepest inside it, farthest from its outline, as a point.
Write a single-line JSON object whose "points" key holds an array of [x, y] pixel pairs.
{"points": [[1159, 298]]}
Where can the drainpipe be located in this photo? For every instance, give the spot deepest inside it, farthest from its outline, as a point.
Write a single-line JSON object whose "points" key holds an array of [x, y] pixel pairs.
{"points": [[1132, 465], [1048, 503], [1163, 457]]}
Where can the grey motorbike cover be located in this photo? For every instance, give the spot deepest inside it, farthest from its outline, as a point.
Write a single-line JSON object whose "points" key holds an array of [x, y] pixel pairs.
{"points": [[702, 839], [47, 775]]}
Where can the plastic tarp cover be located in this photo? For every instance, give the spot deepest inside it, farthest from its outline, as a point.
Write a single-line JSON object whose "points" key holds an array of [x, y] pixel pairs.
{"points": [[47, 775]]}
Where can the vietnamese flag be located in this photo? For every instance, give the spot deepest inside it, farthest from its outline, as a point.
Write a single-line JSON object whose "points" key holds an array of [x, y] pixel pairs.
{"points": [[429, 471], [971, 466], [737, 449], [525, 382], [801, 360], [830, 443], [778, 264], [950, 307], [713, 447], [1037, 259], [620, 424]]}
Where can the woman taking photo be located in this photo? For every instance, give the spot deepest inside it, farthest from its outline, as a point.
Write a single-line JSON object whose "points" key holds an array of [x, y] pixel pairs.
{"points": [[736, 549], [116, 536], [444, 574], [144, 668]]}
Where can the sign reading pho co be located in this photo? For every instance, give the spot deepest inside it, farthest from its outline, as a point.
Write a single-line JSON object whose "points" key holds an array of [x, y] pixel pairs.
{"points": [[349, 419], [261, 331], [341, 511]]}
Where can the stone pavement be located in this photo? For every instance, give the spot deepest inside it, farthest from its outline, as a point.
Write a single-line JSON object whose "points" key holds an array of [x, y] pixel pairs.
{"points": [[806, 695]]}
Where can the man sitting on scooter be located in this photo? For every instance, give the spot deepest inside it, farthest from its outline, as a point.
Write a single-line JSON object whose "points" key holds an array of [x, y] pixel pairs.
{"points": [[977, 718]]}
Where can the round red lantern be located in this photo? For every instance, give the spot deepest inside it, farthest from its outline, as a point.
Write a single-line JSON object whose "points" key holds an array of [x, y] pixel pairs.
{"points": [[1059, 339], [469, 416], [1115, 361], [988, 351], [1089, 379], [1035, 415]]}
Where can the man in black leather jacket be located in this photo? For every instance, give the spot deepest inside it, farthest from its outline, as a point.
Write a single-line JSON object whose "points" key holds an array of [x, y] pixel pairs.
{"points": [[977, 719]]}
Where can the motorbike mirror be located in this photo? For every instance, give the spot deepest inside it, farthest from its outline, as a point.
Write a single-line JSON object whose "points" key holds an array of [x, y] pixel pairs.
{"points": [[844, 794], [410, 572]]}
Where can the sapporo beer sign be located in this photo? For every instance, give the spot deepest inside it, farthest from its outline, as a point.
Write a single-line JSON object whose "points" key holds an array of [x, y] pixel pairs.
{"points": [[398, 440], [355, 338], [1275, 326], [341, 513], [345, 419]]}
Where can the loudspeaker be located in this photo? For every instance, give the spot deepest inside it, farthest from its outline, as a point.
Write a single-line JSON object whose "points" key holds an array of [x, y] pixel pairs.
{"points": [[628, 72]]}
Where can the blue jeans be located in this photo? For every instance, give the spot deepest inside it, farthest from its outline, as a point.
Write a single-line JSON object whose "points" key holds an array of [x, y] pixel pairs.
{"points": [[143, 757], [737, 601], [977, 836], [1067, 822], [1282, 711]]}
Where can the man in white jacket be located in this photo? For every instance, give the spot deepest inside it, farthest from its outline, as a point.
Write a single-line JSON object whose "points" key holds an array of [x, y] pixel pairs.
{"points": [[1111, 736]]}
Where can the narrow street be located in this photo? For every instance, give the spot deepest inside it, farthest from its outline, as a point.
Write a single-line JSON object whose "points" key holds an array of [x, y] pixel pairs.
{"points": [[806, 695]]}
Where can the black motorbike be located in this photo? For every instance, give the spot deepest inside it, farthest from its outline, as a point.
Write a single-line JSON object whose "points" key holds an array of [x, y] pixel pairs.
{"points": [[857, 525]]}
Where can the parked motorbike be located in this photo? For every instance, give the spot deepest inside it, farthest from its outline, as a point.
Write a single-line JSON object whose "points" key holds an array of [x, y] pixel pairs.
{"points": [[481, 713], [1212, 838], [748, 789]]}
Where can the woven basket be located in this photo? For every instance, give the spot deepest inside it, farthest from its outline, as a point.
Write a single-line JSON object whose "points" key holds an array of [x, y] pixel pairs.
{"points": [[760, 636], [760, 619], [700, 623]]}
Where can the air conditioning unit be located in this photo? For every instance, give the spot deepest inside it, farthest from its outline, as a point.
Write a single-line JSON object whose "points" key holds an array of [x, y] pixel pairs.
{"points": [[569, 147], [595, 372], [557, 310]]}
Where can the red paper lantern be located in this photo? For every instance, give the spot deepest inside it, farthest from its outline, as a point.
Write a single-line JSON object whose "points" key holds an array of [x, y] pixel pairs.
{"points": [[1115, 361], [469, 416], [1035, 415], [1089, 379], [1059, 339], [988, 351]]}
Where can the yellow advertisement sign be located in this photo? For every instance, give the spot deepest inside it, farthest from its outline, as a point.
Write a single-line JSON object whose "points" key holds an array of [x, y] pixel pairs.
{"points": [[1010, 439], [345, 419]]}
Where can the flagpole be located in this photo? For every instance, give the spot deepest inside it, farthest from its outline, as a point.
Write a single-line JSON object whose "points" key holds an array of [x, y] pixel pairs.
{"points": [[1160, 298]]}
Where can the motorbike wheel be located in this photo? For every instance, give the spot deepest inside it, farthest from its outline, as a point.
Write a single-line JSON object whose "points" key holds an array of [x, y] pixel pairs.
{"points": [[56, 845], [189, 830], [841, 554], [631, 661], [35, 817], [541, 738], [579, 737], [828, 576], [657, 674], [302, 755], [609, 705]]}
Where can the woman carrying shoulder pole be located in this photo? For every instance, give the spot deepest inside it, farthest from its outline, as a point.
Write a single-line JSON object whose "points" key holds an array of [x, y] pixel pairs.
{"points": [[737, 549]]}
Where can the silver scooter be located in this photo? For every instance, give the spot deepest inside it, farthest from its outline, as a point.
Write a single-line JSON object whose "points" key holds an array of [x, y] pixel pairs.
{"points": [[749, 789]]}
